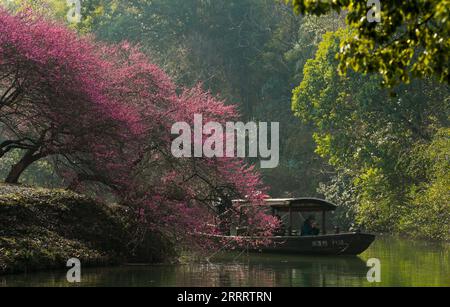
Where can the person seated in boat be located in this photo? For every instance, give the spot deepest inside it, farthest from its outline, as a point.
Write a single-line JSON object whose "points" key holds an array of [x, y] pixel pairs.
{"points": [[310, 227]]}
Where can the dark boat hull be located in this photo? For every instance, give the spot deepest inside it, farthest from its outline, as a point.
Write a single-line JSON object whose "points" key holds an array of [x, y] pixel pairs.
{"points": [[333, 244], [336, 244]]}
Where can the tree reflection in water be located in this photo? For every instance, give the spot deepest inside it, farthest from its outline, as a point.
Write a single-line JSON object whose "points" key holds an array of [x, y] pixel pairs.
{"points": [[404, 263]]}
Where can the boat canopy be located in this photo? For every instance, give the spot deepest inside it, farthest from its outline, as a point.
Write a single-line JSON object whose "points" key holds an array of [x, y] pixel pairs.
{"points": [[297, 204]]}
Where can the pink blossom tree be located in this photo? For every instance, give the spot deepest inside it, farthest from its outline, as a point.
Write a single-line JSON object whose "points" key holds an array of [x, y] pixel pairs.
{"points": [[104, 113], [54, 91]]}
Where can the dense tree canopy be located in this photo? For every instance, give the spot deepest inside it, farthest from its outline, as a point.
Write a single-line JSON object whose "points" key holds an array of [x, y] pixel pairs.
{"points": [[375, 138], [410, 39]]}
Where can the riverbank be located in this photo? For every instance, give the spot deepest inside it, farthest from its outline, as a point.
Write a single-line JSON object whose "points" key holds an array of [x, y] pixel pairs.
{"points": [[40, 229]]}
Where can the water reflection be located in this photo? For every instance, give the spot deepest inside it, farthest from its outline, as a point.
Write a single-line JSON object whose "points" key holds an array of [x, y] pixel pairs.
{"points": [[252, 271], [404, 263], [282, 270]]}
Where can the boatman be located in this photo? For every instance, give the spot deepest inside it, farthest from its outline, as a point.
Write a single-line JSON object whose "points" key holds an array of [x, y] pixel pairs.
{"points": [[310, 227]]}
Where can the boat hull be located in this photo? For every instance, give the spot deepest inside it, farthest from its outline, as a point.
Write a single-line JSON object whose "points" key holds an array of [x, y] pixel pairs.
{"points": [[336, 244]]}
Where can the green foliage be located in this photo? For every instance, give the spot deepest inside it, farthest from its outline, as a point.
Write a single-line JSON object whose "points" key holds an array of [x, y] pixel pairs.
{"points": [[42, 229], [412, 38], [369, 134], [429, 211], [341, 191], [379, 203]]}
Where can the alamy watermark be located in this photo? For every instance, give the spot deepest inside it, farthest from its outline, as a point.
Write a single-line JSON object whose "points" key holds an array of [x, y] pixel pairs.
{"points": [[374, 13], [74, 13], [374, 274], [74, 273], [235, 139]]}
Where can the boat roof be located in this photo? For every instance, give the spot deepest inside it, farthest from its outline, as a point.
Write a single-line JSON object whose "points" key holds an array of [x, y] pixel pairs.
{"points": [[303, 204]]}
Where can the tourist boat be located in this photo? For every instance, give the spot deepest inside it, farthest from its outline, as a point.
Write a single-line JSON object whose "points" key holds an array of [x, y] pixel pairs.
{"points": [[291, 211]]}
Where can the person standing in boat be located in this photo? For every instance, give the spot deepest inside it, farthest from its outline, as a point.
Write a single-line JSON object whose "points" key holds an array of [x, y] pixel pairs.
{"points": [[310, 227]]}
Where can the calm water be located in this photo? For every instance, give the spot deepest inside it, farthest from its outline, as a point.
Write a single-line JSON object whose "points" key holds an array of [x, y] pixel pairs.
{"points": [[404, 263]]}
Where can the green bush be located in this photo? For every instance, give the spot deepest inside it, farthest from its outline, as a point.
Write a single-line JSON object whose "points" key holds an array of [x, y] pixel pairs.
{"points": [[42, 229]]}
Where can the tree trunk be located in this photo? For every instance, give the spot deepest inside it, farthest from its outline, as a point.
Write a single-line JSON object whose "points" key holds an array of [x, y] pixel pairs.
{"points": [[18, 169]]}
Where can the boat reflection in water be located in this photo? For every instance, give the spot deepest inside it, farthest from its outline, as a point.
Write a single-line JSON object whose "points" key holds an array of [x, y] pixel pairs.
{"points": [[228, 270], [281, 270]]}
